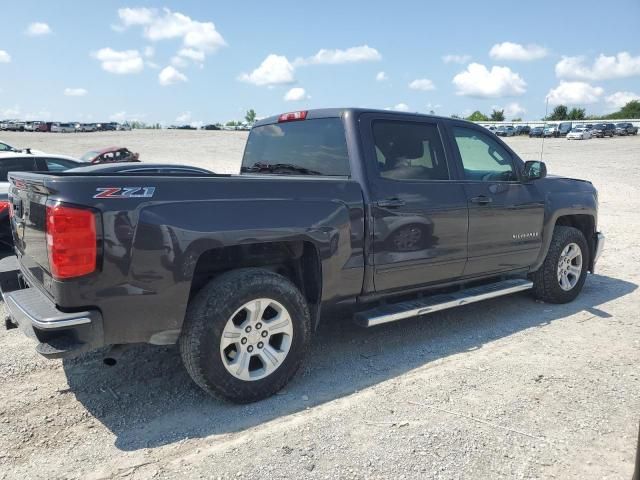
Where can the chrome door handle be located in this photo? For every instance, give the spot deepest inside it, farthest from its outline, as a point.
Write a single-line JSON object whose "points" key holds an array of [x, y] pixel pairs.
{"points": [[391, 203], [482, 200]]}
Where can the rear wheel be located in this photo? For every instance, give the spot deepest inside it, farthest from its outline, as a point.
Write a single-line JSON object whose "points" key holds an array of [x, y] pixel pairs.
{"points": [[245, 335], [563, 273]]}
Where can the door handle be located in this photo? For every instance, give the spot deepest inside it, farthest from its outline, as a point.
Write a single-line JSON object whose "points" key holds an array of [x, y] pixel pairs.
{"points": [[391, 203], [482, 200]]}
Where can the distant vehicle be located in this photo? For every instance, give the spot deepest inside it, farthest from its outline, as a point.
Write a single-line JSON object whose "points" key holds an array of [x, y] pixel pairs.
{"points": [[86, 127], [506, 131], [63, 128], [148, 168], [536, 132], [551, 130], [110, 155], [15, 126], [186, 127], [108, 127], [21, 161], [579, 133], [124, 127], [602, 130], [211, 127], [29, 126], [523, 130], [626, 128], [44, 127]]}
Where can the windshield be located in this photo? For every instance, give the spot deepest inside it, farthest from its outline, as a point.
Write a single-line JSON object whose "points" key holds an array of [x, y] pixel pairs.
{"points": [[87, 157], [308, 147]]}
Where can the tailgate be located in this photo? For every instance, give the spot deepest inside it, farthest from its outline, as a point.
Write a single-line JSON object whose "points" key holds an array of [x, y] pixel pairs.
{"points": [[27, 200]]}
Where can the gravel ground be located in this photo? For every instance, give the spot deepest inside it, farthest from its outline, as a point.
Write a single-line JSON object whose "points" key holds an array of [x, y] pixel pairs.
{"points": [[508, 388]]}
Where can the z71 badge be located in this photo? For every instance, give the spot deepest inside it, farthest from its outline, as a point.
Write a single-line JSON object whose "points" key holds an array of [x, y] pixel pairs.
{"points": [[125, 192]]}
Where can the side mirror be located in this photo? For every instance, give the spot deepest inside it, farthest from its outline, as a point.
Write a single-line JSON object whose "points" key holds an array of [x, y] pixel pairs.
{"points": [[534, 170]]}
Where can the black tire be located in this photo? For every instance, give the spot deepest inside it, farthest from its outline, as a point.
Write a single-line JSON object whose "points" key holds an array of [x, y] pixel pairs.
{"points": [[208, 313], [545, 280]]}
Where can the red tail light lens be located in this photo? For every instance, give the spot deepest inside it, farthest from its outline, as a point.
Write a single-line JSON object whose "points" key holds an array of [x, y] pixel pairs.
{"points": [[292, 116], [71, 241], [4, 206]]}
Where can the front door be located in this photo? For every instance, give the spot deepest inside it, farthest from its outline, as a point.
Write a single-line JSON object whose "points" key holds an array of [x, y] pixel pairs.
{"points": [[419, 211], [505, 214]]}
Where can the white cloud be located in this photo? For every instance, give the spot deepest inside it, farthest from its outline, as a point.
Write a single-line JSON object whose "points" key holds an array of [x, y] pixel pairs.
{"points": [[37, 29], [179, 62], [170, 75], [363, 53], [119, 62], [621, 65], [478, 81], [515, 51], [422, 84], [618, 100], [453, 58], [136, 16], [169, 25], [184, 117], [574, 93], [4, 57], [381, 77], [511, 110], [433, 107], [274, 70], [75, 92], [296, 94], [192, 54], [149, 51], [400, 107]]}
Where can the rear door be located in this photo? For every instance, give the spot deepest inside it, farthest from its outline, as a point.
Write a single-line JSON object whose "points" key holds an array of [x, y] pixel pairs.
{"points": [[419, 207], [505, 214]]}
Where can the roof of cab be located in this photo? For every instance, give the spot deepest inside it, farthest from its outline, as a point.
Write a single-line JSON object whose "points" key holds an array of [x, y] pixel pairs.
{"points": [[339, 112]]}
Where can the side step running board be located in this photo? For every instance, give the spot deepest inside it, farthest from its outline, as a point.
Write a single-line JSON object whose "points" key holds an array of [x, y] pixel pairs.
{"points": [[414, 308]]}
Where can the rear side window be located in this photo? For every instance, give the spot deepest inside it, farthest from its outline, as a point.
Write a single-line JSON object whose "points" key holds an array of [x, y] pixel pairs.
{"points": [[313, 147], [16, 165], [59, 165], [409, 151]]}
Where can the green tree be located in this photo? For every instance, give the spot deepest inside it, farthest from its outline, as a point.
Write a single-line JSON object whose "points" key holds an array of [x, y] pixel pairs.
{"points": [[477, 116], [559, 113], [517, 119], [250, 117], [497, 116], [630, 110], [576, 114]]}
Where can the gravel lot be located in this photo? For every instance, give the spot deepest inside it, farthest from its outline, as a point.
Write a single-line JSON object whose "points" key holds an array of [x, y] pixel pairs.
{"points": [[509, 388]]}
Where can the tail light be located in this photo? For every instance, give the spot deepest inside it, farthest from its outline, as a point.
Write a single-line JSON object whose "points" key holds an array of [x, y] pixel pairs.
{"points": [[292, 116], [4, 206], [71, 241]]}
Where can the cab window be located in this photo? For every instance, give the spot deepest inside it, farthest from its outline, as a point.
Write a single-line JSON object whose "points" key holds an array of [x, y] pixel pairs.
{"points": [[483, 158]]}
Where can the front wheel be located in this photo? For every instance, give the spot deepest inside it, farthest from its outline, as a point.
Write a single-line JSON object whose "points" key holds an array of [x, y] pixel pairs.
{"points": [[564, 271], [245, 335]]}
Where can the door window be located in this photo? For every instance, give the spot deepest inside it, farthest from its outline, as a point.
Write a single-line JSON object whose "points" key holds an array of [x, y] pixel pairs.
{"points": [[409, 151], [483, 158], [16, 165]]}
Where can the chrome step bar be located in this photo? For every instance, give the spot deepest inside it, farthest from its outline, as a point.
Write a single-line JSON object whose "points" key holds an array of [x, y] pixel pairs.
{"points": [[415, 308]]}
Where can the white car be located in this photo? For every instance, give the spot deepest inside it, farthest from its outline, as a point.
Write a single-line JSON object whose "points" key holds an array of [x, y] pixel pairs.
{"points": [[63, 128], [579, 133]]}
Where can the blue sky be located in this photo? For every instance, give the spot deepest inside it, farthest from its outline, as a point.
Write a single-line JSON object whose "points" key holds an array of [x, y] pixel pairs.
{"points": [[189, 61]]}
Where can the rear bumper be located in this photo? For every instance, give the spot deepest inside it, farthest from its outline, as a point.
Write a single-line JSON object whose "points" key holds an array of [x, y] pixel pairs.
{"points": [[59, 334]]}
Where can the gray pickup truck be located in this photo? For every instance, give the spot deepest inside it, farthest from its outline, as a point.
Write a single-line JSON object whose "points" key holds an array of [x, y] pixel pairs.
{"points": [[387, 215]]}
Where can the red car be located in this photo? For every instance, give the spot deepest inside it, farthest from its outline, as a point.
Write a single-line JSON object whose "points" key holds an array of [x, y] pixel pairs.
{"points": [[110, 155]]}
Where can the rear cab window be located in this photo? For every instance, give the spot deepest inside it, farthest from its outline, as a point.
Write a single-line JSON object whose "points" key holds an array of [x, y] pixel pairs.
{"points": [[305, 147], [28, 164]]}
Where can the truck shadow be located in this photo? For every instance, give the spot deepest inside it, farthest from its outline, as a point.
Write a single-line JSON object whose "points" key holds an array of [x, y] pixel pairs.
{"points": [[147, 400]]}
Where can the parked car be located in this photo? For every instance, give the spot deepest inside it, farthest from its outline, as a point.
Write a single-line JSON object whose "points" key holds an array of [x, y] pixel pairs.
{"points": [[5, 147], [211, 127], [579, 133], [536, 132], [63, 128], [523, 130], [238, 269], [550, 130], [602, 130], [148, 168], [626, 128], [506, 131], [21, 161], [44, 127], [125, 127], [110, 155]]}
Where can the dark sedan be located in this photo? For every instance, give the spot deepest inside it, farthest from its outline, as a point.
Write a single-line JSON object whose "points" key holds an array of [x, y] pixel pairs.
{"points": [[536, 132]]}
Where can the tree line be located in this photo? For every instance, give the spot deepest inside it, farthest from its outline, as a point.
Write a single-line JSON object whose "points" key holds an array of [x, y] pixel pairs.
{"points": [[562, 112]]}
